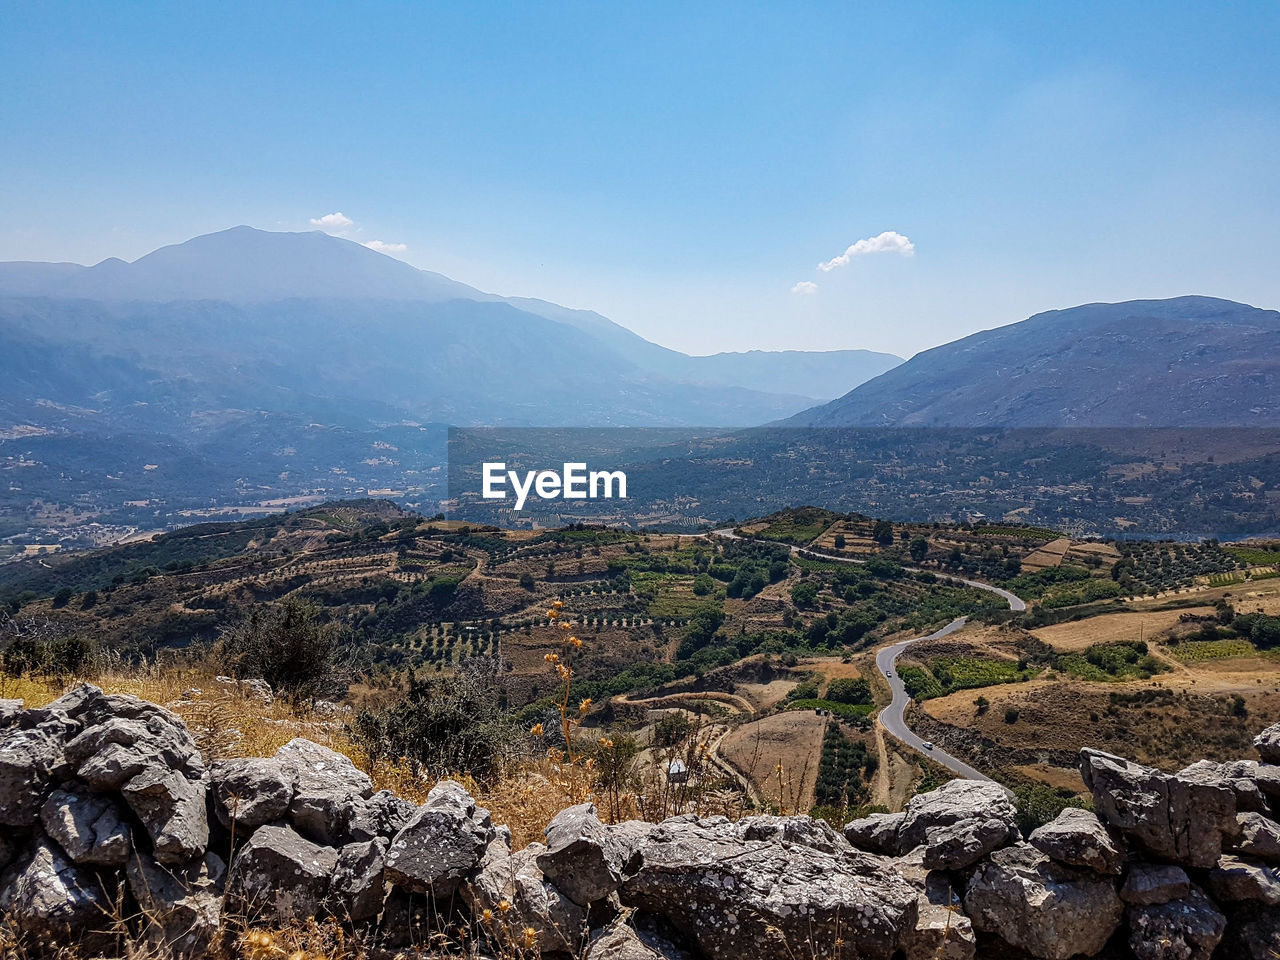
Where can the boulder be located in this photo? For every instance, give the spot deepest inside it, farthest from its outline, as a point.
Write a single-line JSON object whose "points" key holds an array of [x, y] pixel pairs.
{"points": [[586, 859], [48, 900], [955, 846], [877, 833], [1048, 910], [1240, 777], [326, 786], [174, 811], [721, 892], [1185, 929], [1154, 883], [1237, 879], [1257, 837], [1253, 933], [30, 760], [1078, 838], [358, 887], [952, 802], [281, 876], [510, 897], [88, 827], [381, 815], [620, 941], [1267, 743], [9, 711], [805, 831], [942, 931], [181, 906], [250, 792], [441, 844], [1171, 817]]}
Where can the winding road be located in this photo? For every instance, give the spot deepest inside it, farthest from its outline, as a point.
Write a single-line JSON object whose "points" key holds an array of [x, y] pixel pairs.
{"points": [[891, 718]]}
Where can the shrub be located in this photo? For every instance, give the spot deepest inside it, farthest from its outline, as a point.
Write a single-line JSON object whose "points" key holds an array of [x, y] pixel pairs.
{"points": [[288, 646], [1011, 715], [849, 690]]}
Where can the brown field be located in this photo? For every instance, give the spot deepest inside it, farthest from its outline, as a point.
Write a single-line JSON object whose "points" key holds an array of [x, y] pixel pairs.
{"points": [[1112, 628], [791, 740], [1050, 555]]}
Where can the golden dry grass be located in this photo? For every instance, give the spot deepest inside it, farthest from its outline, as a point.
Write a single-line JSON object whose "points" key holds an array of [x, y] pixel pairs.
{"points": [[791, 741], [1112, 628]]}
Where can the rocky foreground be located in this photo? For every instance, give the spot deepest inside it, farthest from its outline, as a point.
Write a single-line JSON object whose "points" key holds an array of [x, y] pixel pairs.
{"points": [[110, 821]]}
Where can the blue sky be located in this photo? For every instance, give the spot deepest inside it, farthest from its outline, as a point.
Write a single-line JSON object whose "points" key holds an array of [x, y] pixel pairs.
{"points": [[683, 169]]}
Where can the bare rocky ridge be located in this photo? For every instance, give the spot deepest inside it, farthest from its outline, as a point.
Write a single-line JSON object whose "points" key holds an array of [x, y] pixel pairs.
{"points": [[108, 810]]}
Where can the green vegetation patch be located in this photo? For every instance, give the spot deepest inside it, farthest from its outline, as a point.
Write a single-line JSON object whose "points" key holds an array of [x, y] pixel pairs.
{"points": [[800, 526], [853, 710], [844, 771], [1042, 534], [1255, 556], [1105, 662], [1198, 651]]}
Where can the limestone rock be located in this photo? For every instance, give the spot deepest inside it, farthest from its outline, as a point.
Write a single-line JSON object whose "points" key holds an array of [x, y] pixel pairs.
{"points": [[805, 831], [584, 858], [181, 906], [381, 815], [1258, 837], [9, 711], [326, 785], [250, 792], [1154, 883], [1236, 879], [1184, 929], [954, 846], [1051, 911], [1267, 743], [558, 923], [877, 833], [174, 811], [952, 802], [48, 899], [88, 827], [942, 931], [1240, 777], [440, 845], [358, 888], [281, 876], [29, 761], [1078, 838]]}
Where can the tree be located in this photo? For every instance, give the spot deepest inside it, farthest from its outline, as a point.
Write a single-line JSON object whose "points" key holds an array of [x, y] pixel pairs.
{"points": [[849, 690], [290, 647], [63, 597], [804, 593], [1011, 715], [919, 549], [882, 533], [839, 541], [526, 581]]}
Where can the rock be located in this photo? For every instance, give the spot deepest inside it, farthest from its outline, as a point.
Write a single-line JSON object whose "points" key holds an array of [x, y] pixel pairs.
{"points": [[1253, 933], [952, 802], [805, 831], [250, 792], [1267, 778], [88, 827], [586, 859], [174, 812], [1236, 879], [619, 941], [722, 892], [9, 711], [257, 690], [942, 931], [1185, 929], [29, 762], [1240, 777], [440, 845], [327, 785], [1078, 838], [955, 846], [1267, 743], [558, 924], [877, 833], [1051, 911], [1173, 818], [382, 815], [1258, 837], [48, 900], [281, 876], [181, 907], [1154, 883], [358, 888]]}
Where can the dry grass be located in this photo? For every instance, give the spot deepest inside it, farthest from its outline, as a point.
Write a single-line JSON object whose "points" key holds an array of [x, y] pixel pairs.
{"points": [[1112, 628], [780, 754]]}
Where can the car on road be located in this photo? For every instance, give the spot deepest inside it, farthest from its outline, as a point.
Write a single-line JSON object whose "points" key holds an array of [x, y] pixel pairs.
{"points": [[927, 744]]}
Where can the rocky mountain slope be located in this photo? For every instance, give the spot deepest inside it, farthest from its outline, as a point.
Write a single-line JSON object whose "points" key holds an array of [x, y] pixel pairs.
{"points": [[1186, 362], [107, 809]]}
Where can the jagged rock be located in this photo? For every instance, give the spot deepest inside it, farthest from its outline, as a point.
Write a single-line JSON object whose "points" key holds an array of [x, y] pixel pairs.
{"points": [[440, 845], [942, 931], [1236, 879], [358, 887], [174, 812], [1171, 817], [250, 791], [326, 785], [877, 833], [382, 815], [805, 831], [1240, 777], [955, 846], [406, 919], [620, 941], [1154, 883], [29, 762], [1051, 911], [1185, 929], [1253, 933], [181, 906], [88, 827], [584, 858], [1267, 777], [1258, 837], [1267, 743], [1077, 837], [9, 711], [47, 899], [279, 875], [722, 892], [558, 923], [952, 802]]}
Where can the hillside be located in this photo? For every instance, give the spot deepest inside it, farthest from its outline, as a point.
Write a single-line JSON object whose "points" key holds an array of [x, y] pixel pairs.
{"points": [[1185, 362]]}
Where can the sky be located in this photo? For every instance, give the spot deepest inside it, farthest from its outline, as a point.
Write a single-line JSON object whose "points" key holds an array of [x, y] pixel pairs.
{"points": [[713, 176]]}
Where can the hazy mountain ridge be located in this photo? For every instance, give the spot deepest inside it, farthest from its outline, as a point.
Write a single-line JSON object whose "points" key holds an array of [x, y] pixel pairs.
{"points": [[1188, 361]]}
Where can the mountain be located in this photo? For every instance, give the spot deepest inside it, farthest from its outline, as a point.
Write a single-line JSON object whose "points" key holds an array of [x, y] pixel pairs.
{"points": [[1184, 362], [376, 328]]}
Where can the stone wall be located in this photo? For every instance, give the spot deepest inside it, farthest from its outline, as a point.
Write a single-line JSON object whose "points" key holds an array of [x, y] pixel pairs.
{"points": [[110, 821]]}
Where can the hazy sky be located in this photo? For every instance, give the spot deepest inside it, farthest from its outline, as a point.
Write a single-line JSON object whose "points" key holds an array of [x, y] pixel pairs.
{"points": [[683, 168]]}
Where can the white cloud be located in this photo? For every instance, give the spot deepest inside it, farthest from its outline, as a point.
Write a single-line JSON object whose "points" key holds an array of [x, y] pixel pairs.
{"points": [[387, 247], [888, 242], [333, 222], [805, 288]]}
